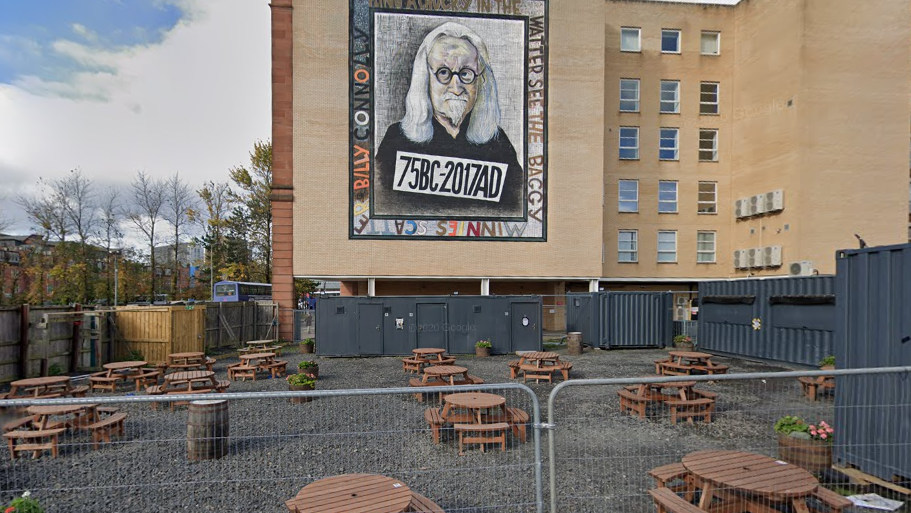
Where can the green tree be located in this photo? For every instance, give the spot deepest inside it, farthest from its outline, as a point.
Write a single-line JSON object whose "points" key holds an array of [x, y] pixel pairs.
{"points": [[251, 220]]}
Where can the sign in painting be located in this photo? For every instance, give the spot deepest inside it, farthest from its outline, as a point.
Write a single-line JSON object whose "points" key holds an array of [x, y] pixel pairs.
{"points": [[448, 119]]}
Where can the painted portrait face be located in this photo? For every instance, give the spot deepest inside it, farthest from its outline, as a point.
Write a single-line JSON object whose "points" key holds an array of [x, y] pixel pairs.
{"points": [[455, 74]]}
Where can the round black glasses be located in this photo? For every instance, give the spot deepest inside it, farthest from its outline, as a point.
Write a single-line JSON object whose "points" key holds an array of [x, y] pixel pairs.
{"points": [[466, 75]]}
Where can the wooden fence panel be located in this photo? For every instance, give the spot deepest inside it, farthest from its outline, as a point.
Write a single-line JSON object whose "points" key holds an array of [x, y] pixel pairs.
{"points": [[231, 325], [51, 343], [188, 330], [9, 344], [147, 331]]}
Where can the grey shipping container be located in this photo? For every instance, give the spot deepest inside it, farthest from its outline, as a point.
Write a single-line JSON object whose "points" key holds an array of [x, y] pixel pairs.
{"points": [[785, 319], [364, 326], [621, 319], [874, 330]]}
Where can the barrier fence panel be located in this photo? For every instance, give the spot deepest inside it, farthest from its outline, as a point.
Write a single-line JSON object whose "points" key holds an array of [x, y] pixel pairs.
{"points": [[275, 445], [304, 324], [730, 457]]}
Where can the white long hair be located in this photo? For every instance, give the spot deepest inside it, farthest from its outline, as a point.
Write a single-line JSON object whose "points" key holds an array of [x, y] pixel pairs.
{"points": [[485, 117]]}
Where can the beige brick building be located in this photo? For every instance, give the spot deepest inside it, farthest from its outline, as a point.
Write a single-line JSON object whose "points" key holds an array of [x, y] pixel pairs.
{"points": [[685, 142]]}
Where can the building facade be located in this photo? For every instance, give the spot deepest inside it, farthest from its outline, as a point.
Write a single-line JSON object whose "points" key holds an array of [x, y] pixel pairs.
{"points": [[658, 144]]}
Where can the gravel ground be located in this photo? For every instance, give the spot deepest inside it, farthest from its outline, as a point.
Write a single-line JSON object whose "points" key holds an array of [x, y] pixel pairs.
{"points": [[277, 447]]}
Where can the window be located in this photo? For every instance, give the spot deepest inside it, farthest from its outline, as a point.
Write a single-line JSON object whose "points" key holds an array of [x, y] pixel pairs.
{"points": [[628, 246], [705, 247], [629, 196], [668, 144], [629, 142], [711, 43], [629, 95], [630, 39], [708, 145], [667, 247], [670, 97], [708, 98], [667, 197], [670, 41], [708, 198]]}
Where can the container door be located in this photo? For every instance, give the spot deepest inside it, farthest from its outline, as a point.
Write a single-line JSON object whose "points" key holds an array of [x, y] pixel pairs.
{"points": [[370, 329], [431, 325], [525, 327]]}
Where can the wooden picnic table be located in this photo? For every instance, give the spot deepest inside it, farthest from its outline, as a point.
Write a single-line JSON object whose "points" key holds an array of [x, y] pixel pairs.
{"points": [[754, 478], [205, 378], [352, 493], [45, 414], [474, 402], [653, 391], [540, 358], [113, 367], [445, 373], [428, 353], [260, 343], [691, 358], [259, 360], [53, 386], [178, 358]]}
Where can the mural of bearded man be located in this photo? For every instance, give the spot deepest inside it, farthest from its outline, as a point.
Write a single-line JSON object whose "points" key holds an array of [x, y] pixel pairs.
{"points": [[448, 156]]}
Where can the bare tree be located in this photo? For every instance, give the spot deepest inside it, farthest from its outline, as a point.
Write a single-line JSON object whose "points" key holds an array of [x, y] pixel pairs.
{"points": [[146, 212], [109, 231], [5, 222], [47, 210], [77, 196], [180, 202], [218, 201]]}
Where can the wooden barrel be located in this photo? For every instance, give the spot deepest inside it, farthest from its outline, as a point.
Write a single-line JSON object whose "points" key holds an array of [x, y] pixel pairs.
{"points": [[574, 342], [207, 430], [812, 455]]}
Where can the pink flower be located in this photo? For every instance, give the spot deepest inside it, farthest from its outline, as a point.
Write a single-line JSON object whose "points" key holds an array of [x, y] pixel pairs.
{"points": [[10, 509], [823, 436], [812, 427], [813, 432], [829, 430]]}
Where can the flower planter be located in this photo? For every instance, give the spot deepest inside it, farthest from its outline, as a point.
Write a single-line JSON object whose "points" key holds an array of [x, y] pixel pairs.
{"points": [[307, 348], [812, 455], [312, 371], [482, 352], [684, 346], [300, 400]]}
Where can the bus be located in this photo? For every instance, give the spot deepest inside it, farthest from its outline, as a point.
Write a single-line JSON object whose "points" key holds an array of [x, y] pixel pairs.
{"points": [[225, 291]]}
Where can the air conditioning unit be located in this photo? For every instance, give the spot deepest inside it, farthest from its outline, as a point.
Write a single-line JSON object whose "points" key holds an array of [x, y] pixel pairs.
{"points": [[682, 301], [753, 208], [754, 257], [742, 208], [760, 204], [740, 259], [681, 314], [771, 256], [804, 268], [774, 201]]}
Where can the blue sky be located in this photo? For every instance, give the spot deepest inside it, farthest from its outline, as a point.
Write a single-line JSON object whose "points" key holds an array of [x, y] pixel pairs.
{"points": [[113, 87], [49, 41]]}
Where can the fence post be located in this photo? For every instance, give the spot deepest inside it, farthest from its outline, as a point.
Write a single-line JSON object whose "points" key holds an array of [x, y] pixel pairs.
{"points": [[23, 341], [219, 325], [75, 345]]}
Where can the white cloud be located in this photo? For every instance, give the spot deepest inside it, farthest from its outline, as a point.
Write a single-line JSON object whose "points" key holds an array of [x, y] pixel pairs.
{"points": [[193, 104], [85, 32]]}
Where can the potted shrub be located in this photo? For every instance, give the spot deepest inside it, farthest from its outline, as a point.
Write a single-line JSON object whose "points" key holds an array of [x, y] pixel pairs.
{"points": [[827, 363], [683, 342], [307, 346], [301, 382], [482, 348], [803, 444], [24, 504], [310, 368]]}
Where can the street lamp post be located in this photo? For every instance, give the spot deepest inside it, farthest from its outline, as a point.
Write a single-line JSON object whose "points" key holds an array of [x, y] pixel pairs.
{"points": [[116, 275]]}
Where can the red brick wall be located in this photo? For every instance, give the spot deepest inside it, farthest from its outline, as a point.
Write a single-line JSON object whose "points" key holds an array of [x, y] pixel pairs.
{"points": [[282, 165]]}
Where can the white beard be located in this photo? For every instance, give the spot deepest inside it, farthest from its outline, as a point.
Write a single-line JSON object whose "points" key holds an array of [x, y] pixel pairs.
{"points": [[455, 110]]}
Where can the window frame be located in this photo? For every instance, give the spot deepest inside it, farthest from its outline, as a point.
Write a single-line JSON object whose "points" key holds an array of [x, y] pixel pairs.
{"points": [[714, 251], [679, 41], [638, 99], [675, 101], [658, 247], [676, 200], [714, 149], [699, 201], [638, 39], [716, 103], [620, 200], [676, 147], [717, 34], [634, 243], [620, 142]]}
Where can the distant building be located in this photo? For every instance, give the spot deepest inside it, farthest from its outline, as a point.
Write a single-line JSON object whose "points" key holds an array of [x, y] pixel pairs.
{"points": [[188, 253]]}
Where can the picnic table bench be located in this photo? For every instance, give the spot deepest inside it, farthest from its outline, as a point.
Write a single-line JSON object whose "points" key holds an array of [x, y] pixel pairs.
{"points": [[813, 387]]}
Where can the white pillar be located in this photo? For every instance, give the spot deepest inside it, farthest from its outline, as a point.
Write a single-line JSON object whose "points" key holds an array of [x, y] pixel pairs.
{"points": [[485, 286], [371, 287], [593, 285]]}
